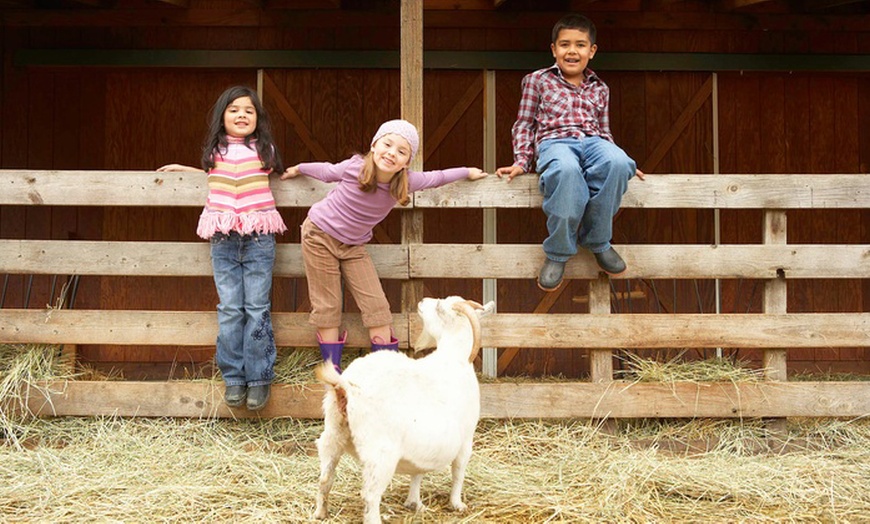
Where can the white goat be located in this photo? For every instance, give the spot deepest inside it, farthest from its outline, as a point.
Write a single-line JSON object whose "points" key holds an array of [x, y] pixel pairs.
{"points": [[395, 414]]}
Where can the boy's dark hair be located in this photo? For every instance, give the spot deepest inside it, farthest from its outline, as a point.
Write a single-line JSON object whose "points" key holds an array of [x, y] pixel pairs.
{"points": [[574, 21], [216, 140]]}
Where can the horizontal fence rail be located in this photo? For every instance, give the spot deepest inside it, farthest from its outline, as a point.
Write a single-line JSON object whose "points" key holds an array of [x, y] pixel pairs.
{"points": [[553, 330], [148, 188], [617, 399], [504, 261], [772, 261]]}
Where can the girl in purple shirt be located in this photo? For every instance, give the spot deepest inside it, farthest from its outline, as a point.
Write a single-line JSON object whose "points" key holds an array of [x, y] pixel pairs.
{"points": [[337, 228]]}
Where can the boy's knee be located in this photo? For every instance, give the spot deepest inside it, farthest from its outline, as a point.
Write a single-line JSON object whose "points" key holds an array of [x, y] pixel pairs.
{"points": [[619, 164]]}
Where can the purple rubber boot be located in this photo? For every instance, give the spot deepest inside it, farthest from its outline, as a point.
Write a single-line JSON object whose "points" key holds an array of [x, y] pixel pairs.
{"points": [[379, 344], [331, 351]]}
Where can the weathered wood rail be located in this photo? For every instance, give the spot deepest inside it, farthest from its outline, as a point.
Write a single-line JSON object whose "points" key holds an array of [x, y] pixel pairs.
{"points": [[775, 330]]}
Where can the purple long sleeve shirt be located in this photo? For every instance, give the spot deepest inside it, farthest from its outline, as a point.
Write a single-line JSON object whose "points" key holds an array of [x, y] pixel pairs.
{"points": [[349, 214]]}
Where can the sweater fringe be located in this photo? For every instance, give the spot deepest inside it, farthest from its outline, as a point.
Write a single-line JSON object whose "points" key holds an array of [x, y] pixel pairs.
{"points": [[263, 222]]}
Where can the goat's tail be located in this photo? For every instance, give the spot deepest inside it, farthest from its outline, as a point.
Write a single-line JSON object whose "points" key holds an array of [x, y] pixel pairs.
{"points": [[326, 373], [468, 308]]}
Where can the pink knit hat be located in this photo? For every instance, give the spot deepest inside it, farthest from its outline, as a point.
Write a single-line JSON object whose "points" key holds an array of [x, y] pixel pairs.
{"points": [[404, 129]]}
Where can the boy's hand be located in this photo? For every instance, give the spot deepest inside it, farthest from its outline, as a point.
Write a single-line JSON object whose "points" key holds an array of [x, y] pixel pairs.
{"points": [[639, 174], [509, 172], [475, 173], [290, 172]]}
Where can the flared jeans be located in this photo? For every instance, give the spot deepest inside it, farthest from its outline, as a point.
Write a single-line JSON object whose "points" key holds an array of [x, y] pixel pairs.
{"points": [[242, 267]]}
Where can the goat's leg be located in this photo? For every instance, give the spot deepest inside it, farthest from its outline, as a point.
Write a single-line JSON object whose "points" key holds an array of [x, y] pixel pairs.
{"points": [[376, 478], [330, 450], [413, 501], [457, 468]]}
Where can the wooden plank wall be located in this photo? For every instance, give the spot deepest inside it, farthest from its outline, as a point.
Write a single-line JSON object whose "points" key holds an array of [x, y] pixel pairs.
{"points": [[140, 119]]}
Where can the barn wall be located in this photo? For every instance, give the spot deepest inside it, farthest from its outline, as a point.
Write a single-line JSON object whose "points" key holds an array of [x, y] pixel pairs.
{"points": [[130, 118]]}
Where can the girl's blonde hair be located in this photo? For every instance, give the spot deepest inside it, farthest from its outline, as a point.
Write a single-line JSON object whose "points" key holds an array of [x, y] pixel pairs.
{"points": [[368, 181]]}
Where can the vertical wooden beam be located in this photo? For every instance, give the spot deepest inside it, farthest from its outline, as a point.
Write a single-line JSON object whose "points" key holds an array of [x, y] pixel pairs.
{"points": [[774, 361], [411, 72], [717, 223], [411, 75], [490, 216], [600, 360]]}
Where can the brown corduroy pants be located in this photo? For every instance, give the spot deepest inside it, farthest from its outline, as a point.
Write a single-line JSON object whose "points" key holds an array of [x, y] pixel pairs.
{"points": [[326, 261]]}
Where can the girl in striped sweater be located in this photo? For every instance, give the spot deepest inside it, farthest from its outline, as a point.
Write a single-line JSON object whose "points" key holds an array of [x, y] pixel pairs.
{"points": [[240, 221]]}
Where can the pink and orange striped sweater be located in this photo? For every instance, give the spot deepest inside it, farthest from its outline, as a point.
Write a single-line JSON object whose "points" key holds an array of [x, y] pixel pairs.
{"points": [[239, 198]]}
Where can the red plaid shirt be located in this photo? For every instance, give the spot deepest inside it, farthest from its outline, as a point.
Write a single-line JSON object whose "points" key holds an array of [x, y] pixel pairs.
{"points": [[552, 107]]}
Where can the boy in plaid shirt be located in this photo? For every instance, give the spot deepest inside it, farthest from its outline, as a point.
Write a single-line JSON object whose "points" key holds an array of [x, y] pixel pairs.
{"points": [[563, 115]]}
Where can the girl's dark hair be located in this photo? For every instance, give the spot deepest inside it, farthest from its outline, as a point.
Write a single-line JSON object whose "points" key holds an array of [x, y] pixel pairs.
{"points": [[216, 141], [575, 21]]}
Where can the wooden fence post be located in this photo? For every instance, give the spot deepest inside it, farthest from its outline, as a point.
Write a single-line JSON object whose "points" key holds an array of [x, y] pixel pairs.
{"points": [[775, 361], [411, 75], [601, 360]]}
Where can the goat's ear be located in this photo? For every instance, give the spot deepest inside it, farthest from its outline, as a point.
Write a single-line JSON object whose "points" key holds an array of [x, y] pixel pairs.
{"points": [[425, 341], [486, 309]]}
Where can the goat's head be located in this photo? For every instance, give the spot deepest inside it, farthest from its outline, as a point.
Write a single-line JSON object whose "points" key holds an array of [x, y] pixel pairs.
{"points": [[447, 316]]}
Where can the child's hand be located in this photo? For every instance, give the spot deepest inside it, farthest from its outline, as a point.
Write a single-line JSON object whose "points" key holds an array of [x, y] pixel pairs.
{"points": [[290, 172], [475, 173], [176, 167], [509, 172], [639, 174]]}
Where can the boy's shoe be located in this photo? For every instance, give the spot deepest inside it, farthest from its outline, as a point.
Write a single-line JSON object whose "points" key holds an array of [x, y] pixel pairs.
{"points": [[550, 277], [610, 262], [234, 396], [258, 396]]}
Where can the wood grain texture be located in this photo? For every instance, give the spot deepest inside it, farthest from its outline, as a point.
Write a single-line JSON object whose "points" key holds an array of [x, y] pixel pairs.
{"points": [[615, 399], [554, 330]]}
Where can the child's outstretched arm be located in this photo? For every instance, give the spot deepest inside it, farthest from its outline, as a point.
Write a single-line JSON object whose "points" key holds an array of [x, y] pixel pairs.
{"points": [[323, 171], [178, 167], [510, 172], [290, 172], [476, 173]]}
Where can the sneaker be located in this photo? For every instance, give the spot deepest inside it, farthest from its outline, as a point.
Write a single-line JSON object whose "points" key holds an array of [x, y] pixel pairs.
{"points": [[550, 277], [234, 396], [258, 396], [610, 262]]}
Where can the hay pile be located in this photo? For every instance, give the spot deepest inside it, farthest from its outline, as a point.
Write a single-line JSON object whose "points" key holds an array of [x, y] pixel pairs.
{"points": [[147, 470]]}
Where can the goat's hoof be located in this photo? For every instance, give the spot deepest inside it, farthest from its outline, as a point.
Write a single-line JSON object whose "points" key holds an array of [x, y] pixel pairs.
{"points": [[461, 507], [320, 514], [417, 507]]}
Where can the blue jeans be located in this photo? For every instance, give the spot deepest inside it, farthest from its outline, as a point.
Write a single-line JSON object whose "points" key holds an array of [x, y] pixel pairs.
{"points": [[242, 267], [582, 182]]}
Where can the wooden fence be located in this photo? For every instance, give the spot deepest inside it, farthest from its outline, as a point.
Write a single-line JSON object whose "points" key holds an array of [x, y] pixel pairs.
{"points": [[774, 331]]}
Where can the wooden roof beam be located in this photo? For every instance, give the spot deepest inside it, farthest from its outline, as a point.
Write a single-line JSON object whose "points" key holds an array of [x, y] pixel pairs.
{"points": [[301, 4], [730, 5], [178, 3], [90, 3], [449, 5], [816, 5]]}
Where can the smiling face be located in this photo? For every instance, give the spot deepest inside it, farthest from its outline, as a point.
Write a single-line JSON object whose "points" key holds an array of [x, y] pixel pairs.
{"points": [[240, 117], [391, 153], [573, 50]]}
